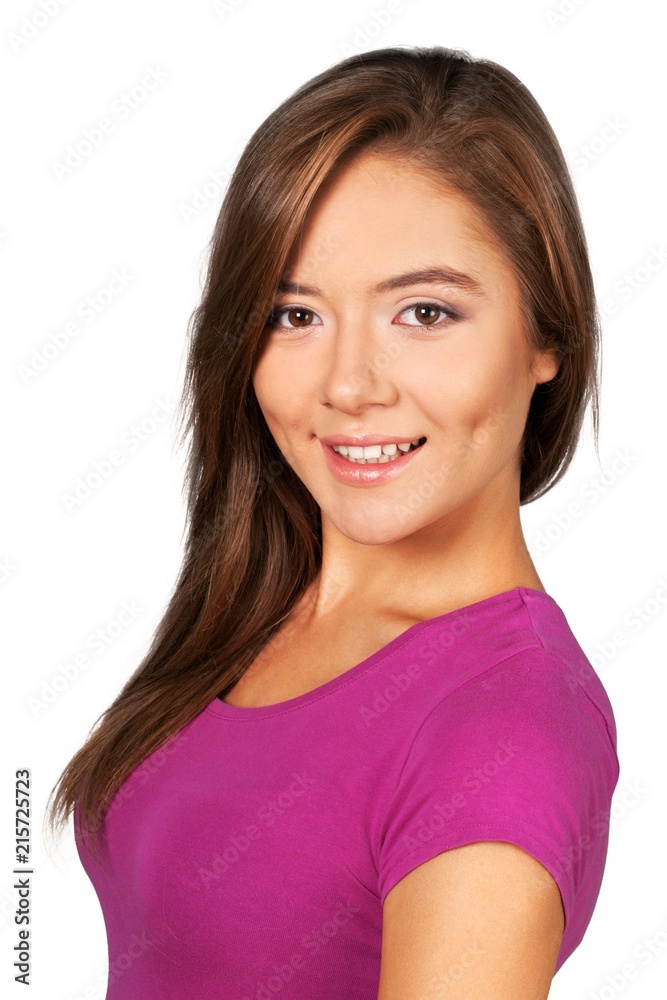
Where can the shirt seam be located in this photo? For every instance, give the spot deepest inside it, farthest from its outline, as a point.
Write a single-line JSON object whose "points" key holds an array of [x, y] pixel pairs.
{"points": [[563, 661], [515, 825], [450, 692], [469, 680], [537, 643], [382, 654]]}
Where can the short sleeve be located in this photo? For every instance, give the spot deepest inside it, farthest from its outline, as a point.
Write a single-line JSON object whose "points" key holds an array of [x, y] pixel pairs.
{"points": [[521, 753]]}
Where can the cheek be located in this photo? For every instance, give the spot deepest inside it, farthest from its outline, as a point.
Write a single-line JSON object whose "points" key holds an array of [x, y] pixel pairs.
{"points": [[501, 412], [480, 400], [282, 394]]}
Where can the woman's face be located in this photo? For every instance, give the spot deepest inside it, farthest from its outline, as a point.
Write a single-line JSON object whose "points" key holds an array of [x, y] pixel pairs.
{"points": [[399, 320]]}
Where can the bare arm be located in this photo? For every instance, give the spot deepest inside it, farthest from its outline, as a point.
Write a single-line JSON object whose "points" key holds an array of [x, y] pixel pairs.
{"points": [[479, 922]]}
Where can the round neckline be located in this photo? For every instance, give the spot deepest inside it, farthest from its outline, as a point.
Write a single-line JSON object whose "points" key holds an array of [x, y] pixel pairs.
{"points": [[247, 712]]}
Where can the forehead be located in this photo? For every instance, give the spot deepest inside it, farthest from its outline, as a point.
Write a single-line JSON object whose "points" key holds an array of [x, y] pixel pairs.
{"points": [[382, 211]]}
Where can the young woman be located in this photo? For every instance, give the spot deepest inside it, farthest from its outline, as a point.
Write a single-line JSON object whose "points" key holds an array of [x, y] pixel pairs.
{"points": [[365, 756]]}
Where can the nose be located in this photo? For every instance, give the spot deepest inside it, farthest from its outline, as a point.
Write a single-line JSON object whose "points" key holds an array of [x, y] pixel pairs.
{"points": [[358, 367]]}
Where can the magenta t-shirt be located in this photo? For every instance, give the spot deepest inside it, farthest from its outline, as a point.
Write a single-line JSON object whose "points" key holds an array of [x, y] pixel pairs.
{"points": [[250, 858]]}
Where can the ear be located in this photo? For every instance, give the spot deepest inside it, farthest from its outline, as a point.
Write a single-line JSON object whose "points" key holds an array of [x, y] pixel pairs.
{"points": [[545, 365]]}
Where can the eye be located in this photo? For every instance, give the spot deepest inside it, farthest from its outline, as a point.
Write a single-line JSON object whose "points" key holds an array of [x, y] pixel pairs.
{"points": [[426, 314], [298, 317]]}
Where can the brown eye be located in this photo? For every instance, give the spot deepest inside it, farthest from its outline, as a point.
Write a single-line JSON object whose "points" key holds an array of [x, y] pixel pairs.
{"points": [[292, 318], [299, 317], [427, 314]]}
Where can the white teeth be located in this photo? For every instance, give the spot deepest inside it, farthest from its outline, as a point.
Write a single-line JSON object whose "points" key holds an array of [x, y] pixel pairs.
{"points": [[375, 453]]}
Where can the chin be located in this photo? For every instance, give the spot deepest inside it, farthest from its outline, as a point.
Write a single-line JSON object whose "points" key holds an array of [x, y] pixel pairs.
{"points": [[376, 529]]}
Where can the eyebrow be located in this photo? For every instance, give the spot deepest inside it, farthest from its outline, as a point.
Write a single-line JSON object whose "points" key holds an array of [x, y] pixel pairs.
{"points": [[428, 276]]}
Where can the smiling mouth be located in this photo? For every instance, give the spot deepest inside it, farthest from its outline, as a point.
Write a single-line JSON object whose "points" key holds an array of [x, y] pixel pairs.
{"points": [[376, 454]]}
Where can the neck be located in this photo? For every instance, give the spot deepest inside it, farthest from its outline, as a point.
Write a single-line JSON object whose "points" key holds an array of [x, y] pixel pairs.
{"points": [[445, 565]]}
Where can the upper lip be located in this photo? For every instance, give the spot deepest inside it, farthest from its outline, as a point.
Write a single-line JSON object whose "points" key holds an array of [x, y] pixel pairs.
{"points": [[364, 440]]}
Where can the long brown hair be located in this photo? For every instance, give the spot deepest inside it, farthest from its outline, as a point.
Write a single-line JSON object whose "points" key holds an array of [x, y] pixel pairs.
{"points": [[253, 530]]}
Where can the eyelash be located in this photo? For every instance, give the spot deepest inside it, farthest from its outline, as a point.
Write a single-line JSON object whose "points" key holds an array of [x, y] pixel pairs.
{"points": [[450, 316]]}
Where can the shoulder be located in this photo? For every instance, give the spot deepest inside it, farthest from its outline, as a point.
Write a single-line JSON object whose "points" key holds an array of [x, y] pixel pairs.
{"points": [[517, 753], [515, 652], [524, 726]]}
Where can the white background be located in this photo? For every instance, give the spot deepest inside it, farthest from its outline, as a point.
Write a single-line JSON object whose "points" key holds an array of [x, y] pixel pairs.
{"points": [[68, 572]]}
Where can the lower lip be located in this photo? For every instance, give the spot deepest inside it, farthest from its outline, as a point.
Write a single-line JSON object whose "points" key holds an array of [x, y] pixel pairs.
{"points": [[365, 475]]}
